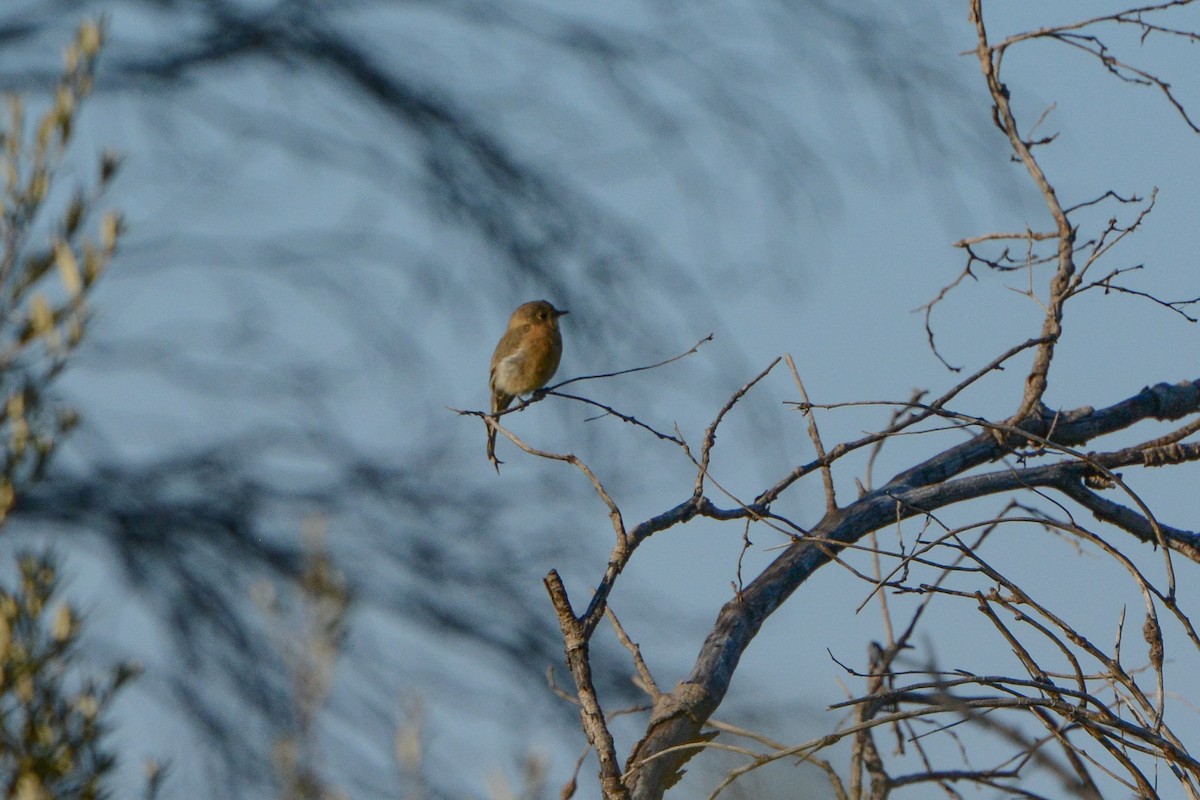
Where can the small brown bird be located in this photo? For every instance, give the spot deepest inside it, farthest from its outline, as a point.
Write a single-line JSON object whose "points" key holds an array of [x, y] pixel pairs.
{"points": [[525, 359]]}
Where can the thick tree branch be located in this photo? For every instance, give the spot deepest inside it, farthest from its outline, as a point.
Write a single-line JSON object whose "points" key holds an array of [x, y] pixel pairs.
{"points": [[679, 715], [1072, 428], [1184, 542]]}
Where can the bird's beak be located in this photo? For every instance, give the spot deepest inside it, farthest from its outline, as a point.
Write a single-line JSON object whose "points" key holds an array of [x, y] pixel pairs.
{"points": [[560, 312]]}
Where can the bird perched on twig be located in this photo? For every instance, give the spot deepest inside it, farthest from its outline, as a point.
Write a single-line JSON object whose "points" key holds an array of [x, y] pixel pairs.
{"points": [[525, 359]]}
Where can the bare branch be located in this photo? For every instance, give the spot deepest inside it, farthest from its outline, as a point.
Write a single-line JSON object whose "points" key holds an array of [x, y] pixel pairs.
{"points": [[656, 365], [612, 412], [710, 435], [815, 436], [1185, 542], [989, 61], [648, 685], [575, 640], [678, 715], [840, 450]]}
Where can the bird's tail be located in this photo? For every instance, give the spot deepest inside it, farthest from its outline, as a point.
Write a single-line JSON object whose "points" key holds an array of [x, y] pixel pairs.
{"points": [[500, 401], [492, 449]]}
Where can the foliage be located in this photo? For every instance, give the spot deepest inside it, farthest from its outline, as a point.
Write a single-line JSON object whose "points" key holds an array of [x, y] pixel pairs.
{"points": [[310, 631], [42, 317], [51, 723], [51, 720]]}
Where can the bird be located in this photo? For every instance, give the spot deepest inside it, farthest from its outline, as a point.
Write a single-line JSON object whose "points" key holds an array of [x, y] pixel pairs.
{"points": [[525, 359]]}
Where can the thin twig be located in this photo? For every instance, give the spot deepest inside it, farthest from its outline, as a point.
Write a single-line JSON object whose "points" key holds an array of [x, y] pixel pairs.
{"points": [[710, 435], [649, 686], [815, 436], [670, 360]]}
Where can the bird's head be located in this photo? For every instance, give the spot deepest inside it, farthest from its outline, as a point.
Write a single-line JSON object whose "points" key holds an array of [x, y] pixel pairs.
{"points": [[537, 312]]}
